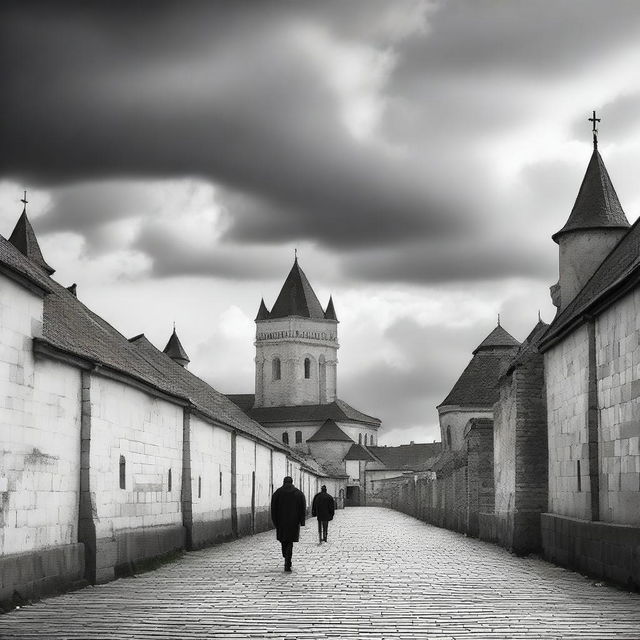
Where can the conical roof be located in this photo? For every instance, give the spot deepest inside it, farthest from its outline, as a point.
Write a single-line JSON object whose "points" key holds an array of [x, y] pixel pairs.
{"points": [[24, 239], [175, 350], [297, 297], [330, 313], [597, 205], [263, 312], [498, 338], [330, 432]]}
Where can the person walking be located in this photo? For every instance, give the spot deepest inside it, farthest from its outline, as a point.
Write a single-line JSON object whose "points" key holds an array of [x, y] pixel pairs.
{"points": [[288, 512], [323, 507]]}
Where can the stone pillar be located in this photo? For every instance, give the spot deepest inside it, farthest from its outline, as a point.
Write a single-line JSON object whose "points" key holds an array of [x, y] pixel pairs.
{"points": [[86, 524]]}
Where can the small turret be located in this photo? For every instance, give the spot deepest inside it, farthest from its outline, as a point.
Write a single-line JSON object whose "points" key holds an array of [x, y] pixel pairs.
{"points": [[175, 350], [330, 313], [263, 312], [596, 223]]}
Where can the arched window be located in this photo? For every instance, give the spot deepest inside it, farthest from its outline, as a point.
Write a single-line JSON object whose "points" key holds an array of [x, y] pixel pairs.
{"points": [[307, 368], [169, 481], [365, 439], [359, 438], [449, 437], [298, 437], [275, 368], [123, 473], [285, 438]]}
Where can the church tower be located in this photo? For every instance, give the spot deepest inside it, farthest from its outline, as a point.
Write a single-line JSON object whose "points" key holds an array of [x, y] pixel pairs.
{"points": [[296, 347], [596, 224]]}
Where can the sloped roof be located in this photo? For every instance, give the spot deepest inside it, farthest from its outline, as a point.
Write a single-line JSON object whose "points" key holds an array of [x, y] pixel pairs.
{"points": [[597, 204], [24, 239], [478, 384], [263, 312], [174, 348], [330, 313], [358, 452], [329, 431], [338, 410], [71, 327], [297, 297], [409, 457], [497, 339], [529, 347], [620, 269]]}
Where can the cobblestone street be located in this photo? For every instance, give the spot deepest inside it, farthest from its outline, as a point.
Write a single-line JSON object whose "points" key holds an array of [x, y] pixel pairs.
{"points": [[381, 575]]}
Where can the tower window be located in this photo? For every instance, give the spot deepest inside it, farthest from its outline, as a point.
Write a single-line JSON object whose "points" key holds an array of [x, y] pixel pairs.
{"points": [[285, 438], [275, 368], [123, 473], [298, 437], [307, 368], [199, 486], [449, 437], [221, 483], [169, 481]]}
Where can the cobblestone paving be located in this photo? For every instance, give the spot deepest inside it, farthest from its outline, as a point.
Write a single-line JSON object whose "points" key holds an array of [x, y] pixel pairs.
{"points": [[382, 575]]}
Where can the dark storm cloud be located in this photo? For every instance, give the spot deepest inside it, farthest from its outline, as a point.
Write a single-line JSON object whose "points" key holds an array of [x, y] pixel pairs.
{"points": [[102, 90]]}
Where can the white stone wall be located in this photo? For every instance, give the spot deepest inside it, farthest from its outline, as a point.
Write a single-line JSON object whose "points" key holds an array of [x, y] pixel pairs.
{"points": [[352, 468], [618, 369], [263, 477], [356, 431], [147, 431], [245, 466], [566, 370], [457, 418], [40, 426], [292, 340], [210, 457], [280, 469]]}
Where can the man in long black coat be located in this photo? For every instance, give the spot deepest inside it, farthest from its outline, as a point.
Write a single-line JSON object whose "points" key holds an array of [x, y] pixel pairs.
{"points": [[288, 512], [323, 507]]}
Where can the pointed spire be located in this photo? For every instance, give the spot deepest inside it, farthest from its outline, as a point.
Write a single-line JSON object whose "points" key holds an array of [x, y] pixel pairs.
{"points": [[330, 313], [597, 205], [23, 238], [263, 312], [297, 297], [175, 350]]}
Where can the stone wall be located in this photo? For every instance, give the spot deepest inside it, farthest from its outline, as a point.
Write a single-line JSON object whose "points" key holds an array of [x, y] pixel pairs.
{"points": [[618, 381], [520, 460], [566, 368]]}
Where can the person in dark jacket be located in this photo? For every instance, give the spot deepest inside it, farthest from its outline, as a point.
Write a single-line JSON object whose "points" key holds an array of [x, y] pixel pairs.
{"points": [[323, 507], [288, 511]]}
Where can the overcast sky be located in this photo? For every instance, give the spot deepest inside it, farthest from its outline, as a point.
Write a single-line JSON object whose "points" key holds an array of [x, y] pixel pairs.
{"points": [[418, 154]]}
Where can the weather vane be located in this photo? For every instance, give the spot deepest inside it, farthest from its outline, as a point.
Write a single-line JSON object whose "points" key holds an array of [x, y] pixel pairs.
{"points": [[593, 120]]}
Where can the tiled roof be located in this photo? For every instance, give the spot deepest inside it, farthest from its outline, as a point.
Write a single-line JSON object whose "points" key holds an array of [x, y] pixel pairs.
{"points": [[330, 432], [478, 384], [71, 327], [619, 269], [24, 239], [409, 457], [597, 204], [297, 297], [338, 410], [498, 338], [174, 348], [358, 452]]}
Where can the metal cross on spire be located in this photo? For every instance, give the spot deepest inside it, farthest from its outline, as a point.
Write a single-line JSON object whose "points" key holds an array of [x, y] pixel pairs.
{"points": [[24, 199], [593, 120]]}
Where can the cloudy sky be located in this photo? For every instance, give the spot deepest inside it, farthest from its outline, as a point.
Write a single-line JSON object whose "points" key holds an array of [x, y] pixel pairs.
{"points": [[418, 154]]}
